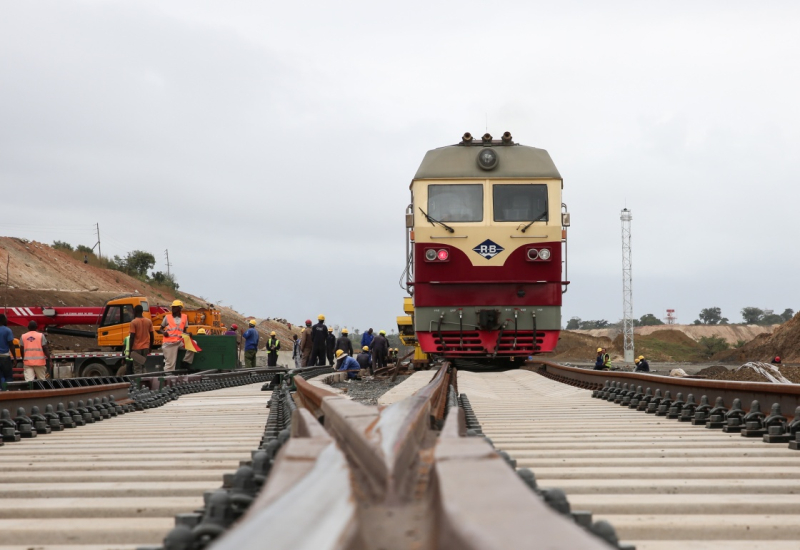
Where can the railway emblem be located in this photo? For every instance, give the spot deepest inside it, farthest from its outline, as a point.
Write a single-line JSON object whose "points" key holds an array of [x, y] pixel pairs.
{"points": [[488, 249]]}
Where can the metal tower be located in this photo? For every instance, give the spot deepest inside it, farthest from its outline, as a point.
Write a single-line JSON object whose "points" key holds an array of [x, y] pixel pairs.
{"points": [[627, 287]]}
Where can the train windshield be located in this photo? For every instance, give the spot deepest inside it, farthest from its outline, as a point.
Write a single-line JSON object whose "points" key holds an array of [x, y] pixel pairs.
{"points": [[456, 203], [520, 203]]}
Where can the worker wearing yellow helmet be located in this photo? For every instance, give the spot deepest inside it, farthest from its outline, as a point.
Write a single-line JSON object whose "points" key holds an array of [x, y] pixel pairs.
{"points": [[343, 342], [319, 339], [346, 363], [201, 331], [642, 365], [599, 361], [273, 347], [364, 359], [380, 350], [174, 325]]}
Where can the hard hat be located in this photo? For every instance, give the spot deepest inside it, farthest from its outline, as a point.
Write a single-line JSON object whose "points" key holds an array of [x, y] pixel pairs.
{"points": [[344, 331], [234, 326], [777, 357], [321, 317], [339, 352], [599, 350], [330, 329], [382, 332], [308, 321], [272, 333], [252, 322], [640, 357], [201, 331], [177, 303], [365, 348]]}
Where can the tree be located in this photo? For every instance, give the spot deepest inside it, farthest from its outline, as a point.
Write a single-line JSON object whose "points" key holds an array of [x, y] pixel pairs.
{"points": [[574, 323], [61, 245], [710, 316], [85, 249], [589, 325], [139, 261], [712, 344], [648, 320], [787, 314], [163, 279], [752, 315], [770, 318]]}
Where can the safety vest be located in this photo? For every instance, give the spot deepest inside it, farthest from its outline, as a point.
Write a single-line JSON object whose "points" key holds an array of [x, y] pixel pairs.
{"points": [[274, 342], [34, 352], [607, 361], [173, 332]]}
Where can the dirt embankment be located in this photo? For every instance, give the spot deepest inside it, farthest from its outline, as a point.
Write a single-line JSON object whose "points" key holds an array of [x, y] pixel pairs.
{"points": [[730, 333], [39, 275], [784, 342]]}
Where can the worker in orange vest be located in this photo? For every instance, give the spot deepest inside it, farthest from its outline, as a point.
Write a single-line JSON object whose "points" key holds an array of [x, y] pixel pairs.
{"points": [[172, 327], [35, 353]]}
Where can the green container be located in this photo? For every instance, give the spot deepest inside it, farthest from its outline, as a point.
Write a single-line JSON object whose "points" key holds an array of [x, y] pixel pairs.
{"points": [[219, 352]]}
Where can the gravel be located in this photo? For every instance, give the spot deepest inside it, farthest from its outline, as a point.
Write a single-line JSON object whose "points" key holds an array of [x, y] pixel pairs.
{"points": [[366, 391]]}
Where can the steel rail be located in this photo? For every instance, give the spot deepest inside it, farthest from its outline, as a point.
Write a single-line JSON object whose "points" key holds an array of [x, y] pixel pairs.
{"points": [[382, 477], [786, 395]]}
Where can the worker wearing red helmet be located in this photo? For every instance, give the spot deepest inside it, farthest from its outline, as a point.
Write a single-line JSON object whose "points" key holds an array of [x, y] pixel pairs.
{"points": [[777, 360], [305, 344]]}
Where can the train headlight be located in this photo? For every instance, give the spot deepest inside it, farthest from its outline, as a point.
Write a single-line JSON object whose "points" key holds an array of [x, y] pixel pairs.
{"points": [[430, 255], [533, 254], [443, 255], [544, 254], [487, 158]]}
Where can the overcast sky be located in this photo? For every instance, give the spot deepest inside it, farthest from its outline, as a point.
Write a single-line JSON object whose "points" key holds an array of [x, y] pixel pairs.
{"points": [[269, 145]]}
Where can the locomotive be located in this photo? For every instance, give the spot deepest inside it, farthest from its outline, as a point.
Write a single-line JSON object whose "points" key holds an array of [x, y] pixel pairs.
{"points": [[486, 235]]}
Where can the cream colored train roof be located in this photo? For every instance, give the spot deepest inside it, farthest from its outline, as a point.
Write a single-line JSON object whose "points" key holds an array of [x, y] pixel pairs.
{"points": [[460, 161]]}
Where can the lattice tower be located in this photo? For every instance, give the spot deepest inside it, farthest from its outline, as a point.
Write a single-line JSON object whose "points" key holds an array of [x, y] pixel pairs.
{"points": [[627, 286]]}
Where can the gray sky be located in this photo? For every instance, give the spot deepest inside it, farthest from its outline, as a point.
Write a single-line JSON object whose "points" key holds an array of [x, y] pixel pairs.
{"points": [[270, 146]]}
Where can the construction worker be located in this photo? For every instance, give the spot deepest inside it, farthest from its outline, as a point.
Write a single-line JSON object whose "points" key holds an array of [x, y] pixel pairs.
{"points": [[319, 337], [776, 360], [35, 353], [606, 360], [273, 346], [174, 325], [141, 340], [364, 359], [380, 350], [367, 338], [296, 353], [345, 362], [306, 345], [250, 345], [8, 353], [330, 346], [344, 343], [642, 365], [599, 360]]}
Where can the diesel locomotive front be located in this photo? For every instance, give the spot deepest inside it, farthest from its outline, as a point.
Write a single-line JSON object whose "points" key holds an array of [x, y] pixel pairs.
{"points": [[486, 252]]}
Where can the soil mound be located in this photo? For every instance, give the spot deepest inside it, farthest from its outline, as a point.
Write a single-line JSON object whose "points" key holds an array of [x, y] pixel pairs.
{"points": [[784, 342], [578, 347], [713, 371]]}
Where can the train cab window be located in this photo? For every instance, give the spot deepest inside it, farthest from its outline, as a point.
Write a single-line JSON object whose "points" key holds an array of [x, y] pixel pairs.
{"points": [[456, 203], [111, 316], [520, 203]]}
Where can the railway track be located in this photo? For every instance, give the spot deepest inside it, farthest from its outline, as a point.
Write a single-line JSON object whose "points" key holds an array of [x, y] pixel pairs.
{"points": [[118, 483], [661, 483]]}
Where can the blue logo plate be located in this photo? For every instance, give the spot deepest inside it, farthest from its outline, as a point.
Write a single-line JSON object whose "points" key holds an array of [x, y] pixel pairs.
{"points": [[488, 249]]}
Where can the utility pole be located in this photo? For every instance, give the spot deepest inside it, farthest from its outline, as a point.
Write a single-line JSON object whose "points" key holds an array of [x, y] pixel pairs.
{"points": [[97, 244], [166, 253], [627, 286]]}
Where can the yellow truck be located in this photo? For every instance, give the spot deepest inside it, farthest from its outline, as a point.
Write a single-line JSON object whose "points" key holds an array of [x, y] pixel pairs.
{"points": [[118, 314]]}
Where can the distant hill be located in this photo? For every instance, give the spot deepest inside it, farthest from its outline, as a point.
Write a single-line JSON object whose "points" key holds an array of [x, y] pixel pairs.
{"points": [[730, 333]]}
